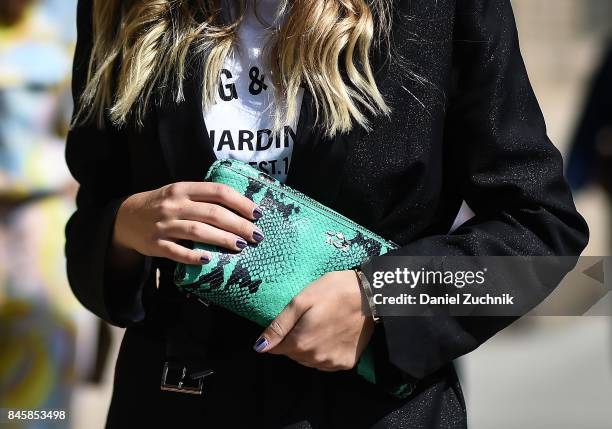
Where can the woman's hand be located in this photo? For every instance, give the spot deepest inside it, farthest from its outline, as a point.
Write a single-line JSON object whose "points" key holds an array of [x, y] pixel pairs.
{"points": [[326, 326], [152, 223]]}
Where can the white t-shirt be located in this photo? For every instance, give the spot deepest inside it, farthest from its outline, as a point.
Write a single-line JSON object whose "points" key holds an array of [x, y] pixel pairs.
{"points": [[239, 123]]}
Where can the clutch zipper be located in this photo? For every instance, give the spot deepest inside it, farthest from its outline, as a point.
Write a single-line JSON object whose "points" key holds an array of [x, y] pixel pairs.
{"points": [[269, 181]]}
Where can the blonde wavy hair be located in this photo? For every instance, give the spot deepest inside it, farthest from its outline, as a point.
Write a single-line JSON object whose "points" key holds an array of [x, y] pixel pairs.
{"points": [[141, 49]]}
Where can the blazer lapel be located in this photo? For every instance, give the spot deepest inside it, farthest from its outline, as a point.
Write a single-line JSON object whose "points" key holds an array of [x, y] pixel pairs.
{"points": [[183, 134], [316, 162], [317, 165]]}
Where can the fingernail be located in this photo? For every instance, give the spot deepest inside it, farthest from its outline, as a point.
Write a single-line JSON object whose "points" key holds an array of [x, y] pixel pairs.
{"points": [[257, 213], [258, 235], [241, 244], [204, 259], [260, 344]]}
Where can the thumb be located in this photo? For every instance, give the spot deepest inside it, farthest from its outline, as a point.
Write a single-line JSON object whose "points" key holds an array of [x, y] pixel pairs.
{"points": [[280, 326]]}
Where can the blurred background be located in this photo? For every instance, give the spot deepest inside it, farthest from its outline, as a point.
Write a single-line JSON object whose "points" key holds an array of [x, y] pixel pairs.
{"points": [[556, 372], [542, 372]]}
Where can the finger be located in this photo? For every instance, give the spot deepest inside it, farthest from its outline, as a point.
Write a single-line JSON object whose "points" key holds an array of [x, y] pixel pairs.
{"points": [[291, 347], [182, 254], [280, 326], [203, 233], [219, 216], [225, 195]]}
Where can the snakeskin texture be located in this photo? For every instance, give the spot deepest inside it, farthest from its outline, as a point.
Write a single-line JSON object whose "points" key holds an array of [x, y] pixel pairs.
{"points": [[303, 240]]}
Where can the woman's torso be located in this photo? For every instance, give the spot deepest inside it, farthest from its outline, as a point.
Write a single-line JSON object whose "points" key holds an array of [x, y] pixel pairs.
{"points": [[390, 180]]}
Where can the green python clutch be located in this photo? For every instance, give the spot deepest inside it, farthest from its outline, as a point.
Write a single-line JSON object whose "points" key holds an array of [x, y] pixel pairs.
{"points": [[303, 240]]}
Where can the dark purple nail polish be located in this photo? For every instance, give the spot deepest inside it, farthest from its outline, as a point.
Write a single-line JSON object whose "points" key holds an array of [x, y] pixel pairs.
{"points": [[257, 236], [204, 259], [257, 213], [241, 244], [260, 344]]}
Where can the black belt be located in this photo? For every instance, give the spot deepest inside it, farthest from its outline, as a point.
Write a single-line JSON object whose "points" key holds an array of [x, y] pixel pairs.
{"points": [[186, 364]]}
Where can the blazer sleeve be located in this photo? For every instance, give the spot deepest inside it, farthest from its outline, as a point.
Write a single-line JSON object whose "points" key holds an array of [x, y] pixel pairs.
{"points": [[98, 158], [510, 174]]}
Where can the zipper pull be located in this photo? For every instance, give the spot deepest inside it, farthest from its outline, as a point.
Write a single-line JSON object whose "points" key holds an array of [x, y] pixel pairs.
{"points": [[267, 178]]}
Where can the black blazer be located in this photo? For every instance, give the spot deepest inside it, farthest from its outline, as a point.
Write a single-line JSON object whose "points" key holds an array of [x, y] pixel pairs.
{"points": [[465, 126]]}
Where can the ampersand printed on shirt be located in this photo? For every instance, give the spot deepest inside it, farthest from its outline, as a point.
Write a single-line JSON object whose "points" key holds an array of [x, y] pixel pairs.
{"points": [[257, 84]]}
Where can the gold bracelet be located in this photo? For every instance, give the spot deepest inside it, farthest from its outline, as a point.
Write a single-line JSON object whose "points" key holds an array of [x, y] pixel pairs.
{"points": [[367, 290]]}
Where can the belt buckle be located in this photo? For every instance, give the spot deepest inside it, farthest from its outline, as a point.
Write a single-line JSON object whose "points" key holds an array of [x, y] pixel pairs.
{"points": [[176, 379]]}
